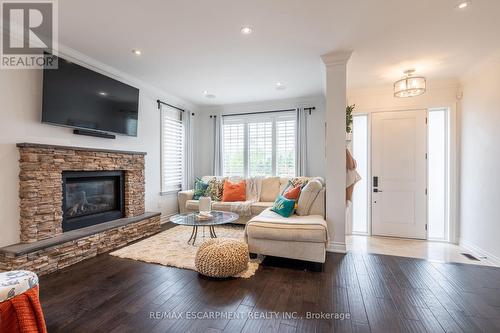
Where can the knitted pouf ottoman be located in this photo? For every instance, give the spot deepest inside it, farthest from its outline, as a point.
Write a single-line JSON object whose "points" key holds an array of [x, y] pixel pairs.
{"points": [[221, 258]]}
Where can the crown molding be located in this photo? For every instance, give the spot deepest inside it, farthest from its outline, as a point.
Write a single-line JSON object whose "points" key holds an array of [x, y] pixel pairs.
{"points": [[91, 63], [86, 61], [336, 58]]}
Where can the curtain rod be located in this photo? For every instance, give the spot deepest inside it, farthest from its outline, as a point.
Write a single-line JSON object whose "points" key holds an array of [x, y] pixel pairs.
{"points": [[172, 106], [259, 112]]}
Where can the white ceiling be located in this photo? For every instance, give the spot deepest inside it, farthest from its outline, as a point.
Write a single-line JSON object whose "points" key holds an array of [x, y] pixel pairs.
{"points": [[190, 46]]}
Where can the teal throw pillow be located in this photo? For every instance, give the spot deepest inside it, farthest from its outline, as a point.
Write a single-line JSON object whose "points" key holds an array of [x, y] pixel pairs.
{"points": [[283, 206], [200, 188]]}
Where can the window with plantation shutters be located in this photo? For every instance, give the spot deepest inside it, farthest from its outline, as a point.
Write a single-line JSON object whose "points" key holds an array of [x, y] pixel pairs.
{"points": [[259, 145], [285, 146], [260, 148], [234, 147], [172, 149]]}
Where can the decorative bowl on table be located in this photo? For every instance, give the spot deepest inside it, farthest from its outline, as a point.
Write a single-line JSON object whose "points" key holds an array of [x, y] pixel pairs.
{"points": [[204, 216]]}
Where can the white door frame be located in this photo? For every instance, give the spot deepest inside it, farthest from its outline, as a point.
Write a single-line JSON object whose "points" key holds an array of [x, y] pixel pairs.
{"points": [[453, 165]]}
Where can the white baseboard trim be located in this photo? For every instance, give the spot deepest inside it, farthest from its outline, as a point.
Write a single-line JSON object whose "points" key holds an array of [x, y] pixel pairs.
{"points": [[479, 252], [336, 247]]}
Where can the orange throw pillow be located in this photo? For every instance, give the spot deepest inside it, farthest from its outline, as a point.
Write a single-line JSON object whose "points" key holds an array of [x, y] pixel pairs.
{"points": [[234, 191], [292, 193]]}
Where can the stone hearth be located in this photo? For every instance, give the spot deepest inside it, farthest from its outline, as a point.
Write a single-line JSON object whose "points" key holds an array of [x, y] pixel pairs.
{"points": [[40, 189], [44, 248]]}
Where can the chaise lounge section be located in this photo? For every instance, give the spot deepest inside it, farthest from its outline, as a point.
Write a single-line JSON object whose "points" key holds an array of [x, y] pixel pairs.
{"points": [[302, 237]]}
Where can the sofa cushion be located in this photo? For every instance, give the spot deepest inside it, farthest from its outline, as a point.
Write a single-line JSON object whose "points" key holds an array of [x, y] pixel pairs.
{"points": [[269, 225], [270, 189], [220, 205], [307, 196], [256, 207], [259, 207], [192, 204]]}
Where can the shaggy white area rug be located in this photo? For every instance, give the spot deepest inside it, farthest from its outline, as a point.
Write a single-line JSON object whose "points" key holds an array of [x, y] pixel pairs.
{"points": [[170, 247]]}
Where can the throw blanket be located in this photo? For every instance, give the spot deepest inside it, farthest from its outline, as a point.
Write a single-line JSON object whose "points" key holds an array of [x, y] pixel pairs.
{"points": [[23, 314], [254, 187], [253, 190]]}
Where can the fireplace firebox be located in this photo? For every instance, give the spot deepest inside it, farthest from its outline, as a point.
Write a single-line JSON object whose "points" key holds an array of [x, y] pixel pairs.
{"points": [[91, 197]]}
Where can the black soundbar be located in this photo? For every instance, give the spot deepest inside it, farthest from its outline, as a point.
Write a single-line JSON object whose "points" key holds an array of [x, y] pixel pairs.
{"points": [[94, 133]]}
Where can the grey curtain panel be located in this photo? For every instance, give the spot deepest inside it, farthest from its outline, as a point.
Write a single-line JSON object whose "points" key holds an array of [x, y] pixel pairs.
{"points": [[217, 158], [188, 175], [301, 143]]}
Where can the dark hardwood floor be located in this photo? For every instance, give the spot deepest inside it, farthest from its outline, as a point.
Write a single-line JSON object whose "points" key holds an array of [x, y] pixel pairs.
{"points": [[377, 293]]}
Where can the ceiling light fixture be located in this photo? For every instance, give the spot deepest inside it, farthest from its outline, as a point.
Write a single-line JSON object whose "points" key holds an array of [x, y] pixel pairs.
{"points": [[463, 4], [136, 52], [410, 86], [246, 30], [103, 93]]}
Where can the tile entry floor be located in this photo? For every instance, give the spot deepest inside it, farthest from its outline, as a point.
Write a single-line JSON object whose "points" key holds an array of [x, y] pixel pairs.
{"points": [[433, 251]]}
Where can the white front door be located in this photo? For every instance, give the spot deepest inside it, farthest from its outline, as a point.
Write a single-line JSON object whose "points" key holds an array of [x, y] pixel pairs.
{"points": [[399, 174]]}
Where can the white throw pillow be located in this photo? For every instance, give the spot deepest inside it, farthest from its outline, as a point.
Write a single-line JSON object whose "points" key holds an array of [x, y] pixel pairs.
{"points": [[307, 197]]}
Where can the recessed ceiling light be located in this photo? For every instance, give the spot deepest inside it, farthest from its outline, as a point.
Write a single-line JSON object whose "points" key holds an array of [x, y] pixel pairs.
{"points": [[103, 93], [246, 30], [136, 52], [280, 86], [207, 94], [463, 4]]}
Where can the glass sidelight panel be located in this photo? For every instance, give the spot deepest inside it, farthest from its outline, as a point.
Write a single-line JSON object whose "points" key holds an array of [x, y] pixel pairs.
{"points": [[360, 194], [438, 174]]}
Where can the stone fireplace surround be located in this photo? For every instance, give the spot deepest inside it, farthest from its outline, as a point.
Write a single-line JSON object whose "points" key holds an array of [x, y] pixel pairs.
{"points": [[44, 247]]}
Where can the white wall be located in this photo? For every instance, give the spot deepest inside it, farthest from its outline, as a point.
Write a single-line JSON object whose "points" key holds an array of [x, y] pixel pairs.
{"points": [[439, 94], [20, 114], [316, 130], [480, 160]]}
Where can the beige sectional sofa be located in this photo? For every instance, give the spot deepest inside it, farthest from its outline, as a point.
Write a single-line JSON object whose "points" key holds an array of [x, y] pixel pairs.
{"points": [[302, 237]]}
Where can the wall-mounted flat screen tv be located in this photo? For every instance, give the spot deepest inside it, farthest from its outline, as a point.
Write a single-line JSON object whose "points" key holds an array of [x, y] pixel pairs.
{"points": [[77, 97]]}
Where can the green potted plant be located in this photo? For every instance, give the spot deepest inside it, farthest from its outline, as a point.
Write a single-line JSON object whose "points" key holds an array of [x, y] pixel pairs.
{"points": [[348, 121]]}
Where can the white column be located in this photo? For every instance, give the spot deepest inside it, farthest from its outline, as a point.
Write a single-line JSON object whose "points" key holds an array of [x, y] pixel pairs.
{"points": [[336, 101]]}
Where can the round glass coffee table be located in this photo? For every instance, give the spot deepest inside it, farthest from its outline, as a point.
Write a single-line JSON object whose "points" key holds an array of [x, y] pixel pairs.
{"points": [[190, 219]]}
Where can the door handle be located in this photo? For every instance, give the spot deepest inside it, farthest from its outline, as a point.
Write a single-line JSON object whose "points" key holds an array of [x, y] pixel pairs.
{"points": [[376, 190]]}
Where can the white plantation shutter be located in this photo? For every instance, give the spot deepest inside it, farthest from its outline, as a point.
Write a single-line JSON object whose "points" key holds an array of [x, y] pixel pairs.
{"points": [[285, 146], [259, 145], [260, 148], [233, 147], [172, 149]]}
